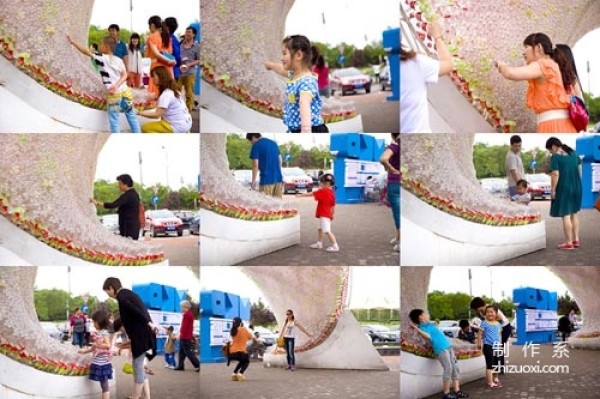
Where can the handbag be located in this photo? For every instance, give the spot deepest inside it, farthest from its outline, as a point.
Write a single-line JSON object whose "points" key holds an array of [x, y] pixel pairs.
{"points": [[128, 368], [280, 342], [578, 113]]}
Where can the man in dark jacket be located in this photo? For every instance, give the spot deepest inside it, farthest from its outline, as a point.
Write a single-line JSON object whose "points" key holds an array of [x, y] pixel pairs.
{"points": [[129, 207], [139, 328]]}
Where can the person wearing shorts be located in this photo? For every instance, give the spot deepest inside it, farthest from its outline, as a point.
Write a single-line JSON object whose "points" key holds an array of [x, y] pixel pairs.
{"points": [[266, 158]]}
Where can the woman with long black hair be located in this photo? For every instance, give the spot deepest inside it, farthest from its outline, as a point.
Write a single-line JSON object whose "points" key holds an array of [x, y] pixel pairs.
{"points": [[288, 333], [550, 78], [240, 336], [566, 191]]}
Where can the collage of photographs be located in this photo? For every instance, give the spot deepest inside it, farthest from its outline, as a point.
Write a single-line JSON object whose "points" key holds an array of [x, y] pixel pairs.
{"points": [[500, 199], [200, 199]]}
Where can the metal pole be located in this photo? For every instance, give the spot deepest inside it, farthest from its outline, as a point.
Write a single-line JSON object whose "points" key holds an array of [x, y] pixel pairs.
{"points": [[141, 175], [69, 288], [491, 285], [470, 290], [131, 14], [589, 79]]}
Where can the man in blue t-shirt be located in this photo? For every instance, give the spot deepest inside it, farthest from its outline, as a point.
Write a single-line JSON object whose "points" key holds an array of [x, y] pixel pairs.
{"points": [[442, 349], [266, 157], [121, 48]]}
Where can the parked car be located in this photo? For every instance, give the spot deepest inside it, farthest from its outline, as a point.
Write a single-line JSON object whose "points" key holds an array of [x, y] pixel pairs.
{"points": [[349, 79], [450, 328], [379, 333], [495, 186], [52, 330], [163, 221], [395, 330], [385, 79], [195, 225], [295, 180], [111, 222], [267, 337], [539, 185], [186, 217]]}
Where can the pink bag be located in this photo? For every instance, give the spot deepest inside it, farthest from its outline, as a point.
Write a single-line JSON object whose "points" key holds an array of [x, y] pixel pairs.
{"points": [[578, 114]]}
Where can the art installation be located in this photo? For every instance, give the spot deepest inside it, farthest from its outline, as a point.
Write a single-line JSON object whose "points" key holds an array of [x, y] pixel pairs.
{"points": [[31, 361], [233, 64], [420, 373], [337, 340], [46, 84], [238, 223], [46, 214], [445, 210], [471, 31]]}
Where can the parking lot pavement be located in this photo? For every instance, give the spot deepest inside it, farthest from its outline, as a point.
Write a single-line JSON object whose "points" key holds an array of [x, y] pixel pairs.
{"points": [[378, 114], [165, 383], [586, 255], [181, 251], [363, 232], [276, 383], [582, 381]]}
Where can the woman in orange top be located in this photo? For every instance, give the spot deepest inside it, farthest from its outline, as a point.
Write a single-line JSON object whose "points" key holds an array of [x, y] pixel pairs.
{"points": [[240, 336], [157, 44], [550, 78]]}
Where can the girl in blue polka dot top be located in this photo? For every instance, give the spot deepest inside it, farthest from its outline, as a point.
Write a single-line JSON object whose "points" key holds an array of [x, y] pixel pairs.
{"points": [[303, 104]]}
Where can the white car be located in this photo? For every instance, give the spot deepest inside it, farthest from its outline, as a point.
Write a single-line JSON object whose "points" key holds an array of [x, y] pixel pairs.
{"points": [[450, 328], [295, 180]]}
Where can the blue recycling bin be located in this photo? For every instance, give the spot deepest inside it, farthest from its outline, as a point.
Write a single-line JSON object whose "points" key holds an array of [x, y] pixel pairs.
{"points": [[536, 315], [353, 153], [588, 147], [391, 45], [217, 310], [158, 296]]}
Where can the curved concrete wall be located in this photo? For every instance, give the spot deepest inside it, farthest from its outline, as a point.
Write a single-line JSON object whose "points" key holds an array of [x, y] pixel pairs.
{"points": [[435, 238]]}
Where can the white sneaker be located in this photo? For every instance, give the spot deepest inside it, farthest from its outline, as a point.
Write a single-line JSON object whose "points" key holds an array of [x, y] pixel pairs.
{"points": [[167, 366], [333, 248], [397, 247], [394, 241], [317, 245]]}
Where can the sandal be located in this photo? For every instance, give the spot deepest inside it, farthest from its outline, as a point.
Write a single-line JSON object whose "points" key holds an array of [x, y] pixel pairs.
{"points": [[566, 245], [493, 386], [576, 243]]}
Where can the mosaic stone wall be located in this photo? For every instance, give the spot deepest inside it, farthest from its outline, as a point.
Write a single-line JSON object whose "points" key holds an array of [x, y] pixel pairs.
{"points": [[480, 32]]}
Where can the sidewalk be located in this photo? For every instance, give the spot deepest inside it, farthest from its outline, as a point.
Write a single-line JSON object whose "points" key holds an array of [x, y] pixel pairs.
{"points": [[277, 383], [582, 381], [363, 232], [586, 255], [164, 383]]}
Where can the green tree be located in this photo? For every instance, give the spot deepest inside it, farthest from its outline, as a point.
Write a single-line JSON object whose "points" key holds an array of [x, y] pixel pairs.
{"points": [[238, 152], [566, 303], [50, 305], [96, 34], [261, 315]]}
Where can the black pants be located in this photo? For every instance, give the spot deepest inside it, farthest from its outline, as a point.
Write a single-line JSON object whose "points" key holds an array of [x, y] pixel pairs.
{"points": [[243, 359], [185, 350], [289, 351], [506, 332], [315, 129], [490, 359], [128, 228]]}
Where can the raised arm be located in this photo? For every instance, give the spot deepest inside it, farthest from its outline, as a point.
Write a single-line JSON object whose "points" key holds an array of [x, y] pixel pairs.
{"points": [[83, 50], [444, 55], [527, 72], [276, 67]]}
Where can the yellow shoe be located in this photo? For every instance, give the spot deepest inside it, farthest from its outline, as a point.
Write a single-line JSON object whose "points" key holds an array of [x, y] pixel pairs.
{"points": [[241, 377], [234, 377]]}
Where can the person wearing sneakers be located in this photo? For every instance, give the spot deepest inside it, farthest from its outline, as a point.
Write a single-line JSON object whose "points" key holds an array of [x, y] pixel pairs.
{"points": [[325, 197], [390, 159], [240, 336], [566, 191], [442, 349], [288, 333]]}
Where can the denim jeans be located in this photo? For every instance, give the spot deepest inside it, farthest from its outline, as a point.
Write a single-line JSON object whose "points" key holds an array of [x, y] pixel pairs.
{"points": [[289, 351], [122, 102], [170, 359], [393, 194], [78, 339]]}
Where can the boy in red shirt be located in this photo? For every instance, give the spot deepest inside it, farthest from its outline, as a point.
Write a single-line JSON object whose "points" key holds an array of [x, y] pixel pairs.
{"points": [[325, 197]]}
